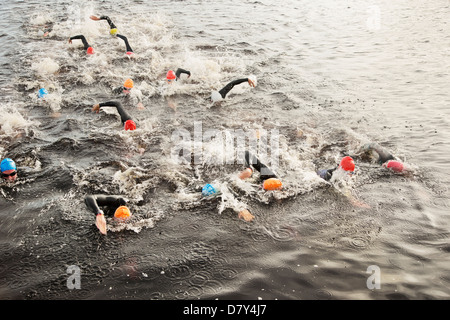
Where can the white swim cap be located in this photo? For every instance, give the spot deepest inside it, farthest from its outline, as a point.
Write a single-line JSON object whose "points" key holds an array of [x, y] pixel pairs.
{"points": [[215, 96]]}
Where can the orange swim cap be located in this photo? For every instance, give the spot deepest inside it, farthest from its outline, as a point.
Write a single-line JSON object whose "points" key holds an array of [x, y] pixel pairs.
{"points": [[272, 184], [128, 84], [129, 125], [347, 164], [90, 50], [171, 75], [122, 213]]}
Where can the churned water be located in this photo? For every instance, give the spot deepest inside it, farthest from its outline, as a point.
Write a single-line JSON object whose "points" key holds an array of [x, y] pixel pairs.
{"points": [[331, 76]]}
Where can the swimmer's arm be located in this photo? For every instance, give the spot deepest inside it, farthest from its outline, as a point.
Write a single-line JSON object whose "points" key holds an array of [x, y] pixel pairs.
{"points": [[180, 71], [82, 38], [123, 115], [94, 202], [224, 91]]}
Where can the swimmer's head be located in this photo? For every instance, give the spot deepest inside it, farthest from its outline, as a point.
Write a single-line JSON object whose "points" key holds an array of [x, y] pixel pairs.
{"points": [[170, 76], [42, 93], [347, 164], [129, 125], [8, 169], [272, 184], [90, 50], [113, 31], [394, 165], [216, 96], [208, 190], [128, 84], [122, 213]]}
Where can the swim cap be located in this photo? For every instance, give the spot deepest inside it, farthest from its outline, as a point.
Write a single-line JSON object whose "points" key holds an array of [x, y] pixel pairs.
{"points": [[129, 53], [130, 125], [347, 164], [90, 50], [42, 93], [396, 166], [171, 75], [122, 213], [8, 164], [208, 190], [113, 31], [128, 84], [215, 96], [272, 184]]}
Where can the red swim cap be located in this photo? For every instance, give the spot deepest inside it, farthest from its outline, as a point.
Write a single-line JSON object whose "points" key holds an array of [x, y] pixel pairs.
{"points": [[171, 75], [396, 166], [90, 50], [130, 125], [347, 164]]}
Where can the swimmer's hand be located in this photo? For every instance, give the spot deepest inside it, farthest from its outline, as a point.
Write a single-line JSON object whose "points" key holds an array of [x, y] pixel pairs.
{"points": [[246, 215], [247, 173], [96, 108], [70, 41], [100, 222], [94, 18], [251, 83]]}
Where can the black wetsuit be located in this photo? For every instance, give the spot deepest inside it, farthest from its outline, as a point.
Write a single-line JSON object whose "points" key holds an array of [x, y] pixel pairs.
{"points": [[326, 174], [126, 42], [123, 114], [180, 71], [253, 161], [224, 91], [94, 202], [111, 24], [83, 39], [383, 155]]}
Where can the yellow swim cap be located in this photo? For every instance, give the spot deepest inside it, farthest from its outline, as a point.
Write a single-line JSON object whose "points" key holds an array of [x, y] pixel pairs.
{"points": [[113, 31], [122, 213]]}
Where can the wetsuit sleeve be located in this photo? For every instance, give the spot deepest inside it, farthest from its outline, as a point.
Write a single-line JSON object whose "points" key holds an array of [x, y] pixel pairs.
{"points": [[383, 155], [83, 39], [111, 24], [224, 91], [126, 42], [253, 161], [180, 71], [123, 115], [94, 202], [326, 174]]}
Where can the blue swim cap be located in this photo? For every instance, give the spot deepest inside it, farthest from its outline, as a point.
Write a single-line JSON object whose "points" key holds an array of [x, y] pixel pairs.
{"points": [[208, 190], [8, 164], [42, 93]]}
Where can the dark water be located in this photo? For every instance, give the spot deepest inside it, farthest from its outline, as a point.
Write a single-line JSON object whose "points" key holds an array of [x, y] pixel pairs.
{"points": [[331, 78]]}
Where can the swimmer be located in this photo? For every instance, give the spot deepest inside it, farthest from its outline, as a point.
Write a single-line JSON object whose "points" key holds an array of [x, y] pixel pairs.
{"points": [[170, 76], [347, 164], [126, 88], [129, 51], [127, 122], [117, 203], [112, 27], [217, 96], [8, 170], [87, 47], [266, 174], [386, 159]]}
